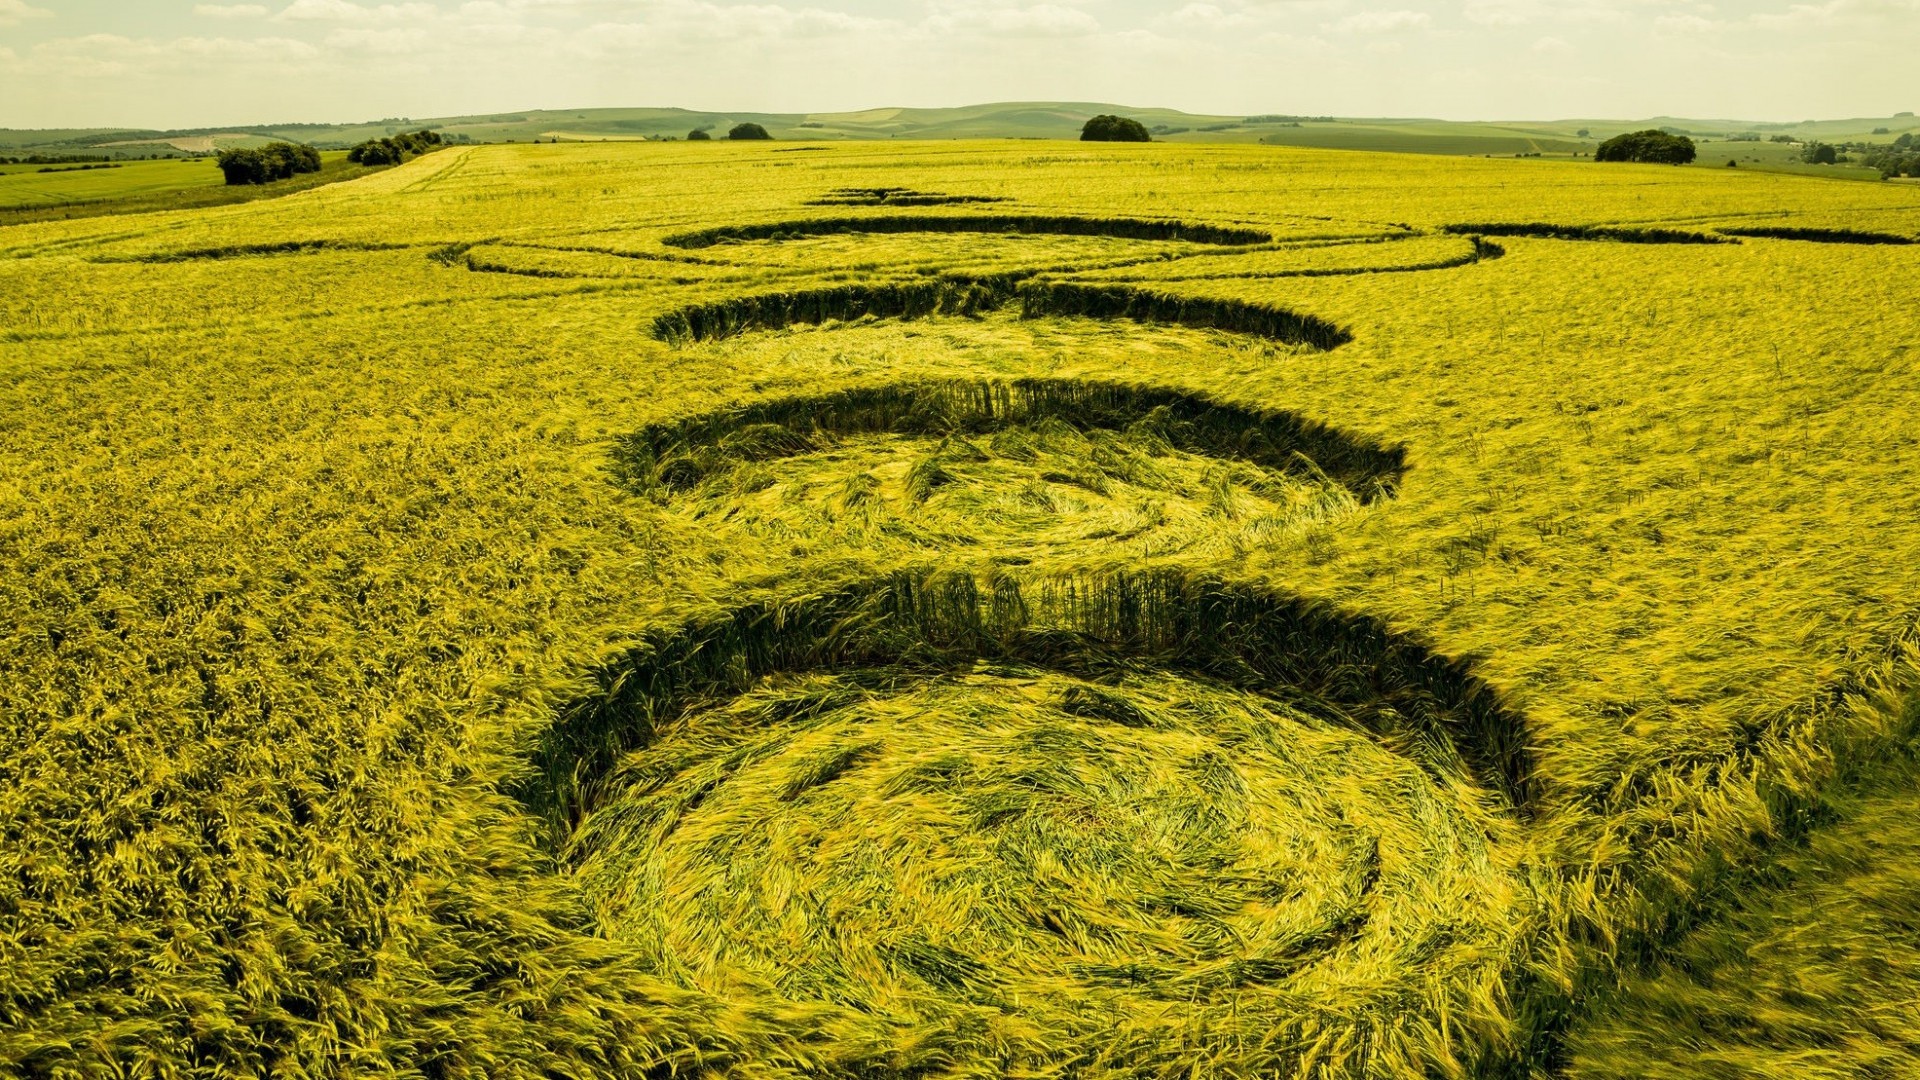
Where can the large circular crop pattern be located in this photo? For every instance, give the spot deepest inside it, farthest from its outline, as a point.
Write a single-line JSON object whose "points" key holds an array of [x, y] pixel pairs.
{"points": [[1049, 797]]}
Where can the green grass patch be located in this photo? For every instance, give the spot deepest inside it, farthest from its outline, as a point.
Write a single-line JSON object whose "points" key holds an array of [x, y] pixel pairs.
{"points": [[152, 187]]}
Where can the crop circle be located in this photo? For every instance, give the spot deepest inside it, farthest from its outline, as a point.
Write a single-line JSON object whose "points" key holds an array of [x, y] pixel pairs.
{"points": [[1039, 802], [1075, 817]]}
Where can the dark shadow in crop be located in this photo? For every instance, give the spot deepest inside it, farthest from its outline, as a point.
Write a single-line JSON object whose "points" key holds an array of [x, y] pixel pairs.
{"points": [[916, 624], [973, 296], [1817, 236], [242, 251], [1038, 224], [897, 196], [1621, 234], [679, 455]]}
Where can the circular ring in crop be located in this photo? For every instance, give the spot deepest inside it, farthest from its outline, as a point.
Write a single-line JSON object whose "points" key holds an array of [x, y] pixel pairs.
{"points": [[1036, 224], [1121, 822], [1020, 470]]}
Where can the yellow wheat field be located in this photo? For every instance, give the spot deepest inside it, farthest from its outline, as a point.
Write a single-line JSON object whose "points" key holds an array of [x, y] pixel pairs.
{"points": [[619, 610]]}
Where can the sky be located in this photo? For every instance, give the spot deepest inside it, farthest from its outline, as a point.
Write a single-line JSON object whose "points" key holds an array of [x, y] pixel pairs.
{"points": [[172, 64]]}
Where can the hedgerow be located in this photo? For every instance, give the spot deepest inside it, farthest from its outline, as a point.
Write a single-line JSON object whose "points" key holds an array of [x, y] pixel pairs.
{"points": [[396, 149]]}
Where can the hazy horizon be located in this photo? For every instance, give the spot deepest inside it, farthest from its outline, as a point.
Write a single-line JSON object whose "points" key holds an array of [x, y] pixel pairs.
{"points": [[94, 63]]}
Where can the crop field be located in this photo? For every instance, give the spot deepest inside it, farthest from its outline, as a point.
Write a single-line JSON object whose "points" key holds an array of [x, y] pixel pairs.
{"points": [[30, 193], [29, 185], [964, 610]]}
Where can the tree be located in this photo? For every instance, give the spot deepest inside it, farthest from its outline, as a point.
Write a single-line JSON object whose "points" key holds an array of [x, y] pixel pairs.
{"points": [[696, 135], [243, 166], [1109, 128], [1819, 154], [274, 161], [1583, 133], [748, 131], [1652, 146]]}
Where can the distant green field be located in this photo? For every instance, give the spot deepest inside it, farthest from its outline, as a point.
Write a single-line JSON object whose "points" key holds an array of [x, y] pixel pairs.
{"points": [[141, 187], [1020, 120], [27, 186]]}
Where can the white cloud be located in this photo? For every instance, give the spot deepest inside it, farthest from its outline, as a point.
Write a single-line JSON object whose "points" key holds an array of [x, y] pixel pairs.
{"points": [[17, 11], [1383, 22], [1684, 24], [1840, 11], [230, 11], [1552, 46], [381, 41], [1039, 20], [343, 11], [113, 56], [679, 21], [1242, 14], [1205, 16], [1502, 12]]}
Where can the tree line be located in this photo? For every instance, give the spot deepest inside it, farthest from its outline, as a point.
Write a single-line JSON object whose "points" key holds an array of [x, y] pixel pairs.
{"points": [[1899, 158], [396, 149]]}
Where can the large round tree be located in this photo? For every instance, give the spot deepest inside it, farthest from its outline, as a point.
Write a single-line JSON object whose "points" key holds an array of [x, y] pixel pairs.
{"points": [[1108, 128], [748, 131], [1651, 146]]}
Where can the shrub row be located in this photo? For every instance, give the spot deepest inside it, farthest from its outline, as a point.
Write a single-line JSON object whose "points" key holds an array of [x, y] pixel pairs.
{"points": [[396, 149]]}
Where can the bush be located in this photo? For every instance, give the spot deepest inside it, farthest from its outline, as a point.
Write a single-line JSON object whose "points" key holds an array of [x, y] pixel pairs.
{"points": [[274, 161], [396, 149], [1819, 154], [1652, 146], [748, 131], [696, 135], [1107, 128]]}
